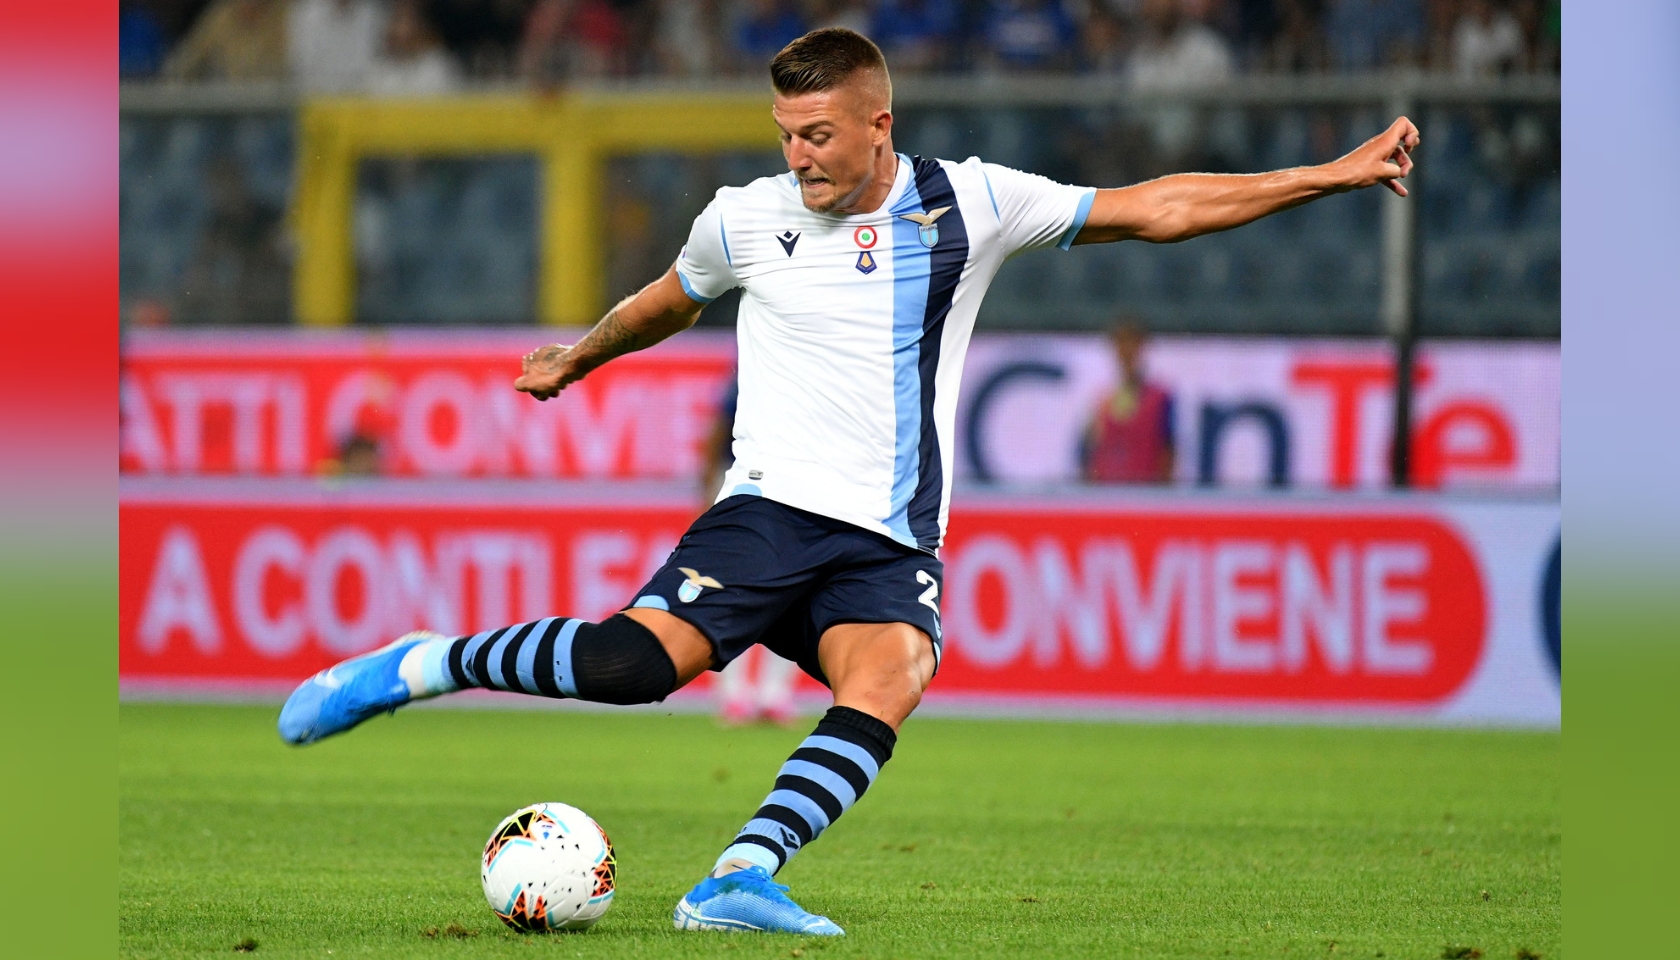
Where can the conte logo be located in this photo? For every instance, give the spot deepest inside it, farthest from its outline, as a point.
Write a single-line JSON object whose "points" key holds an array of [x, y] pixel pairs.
{"points": [[691, 587]]}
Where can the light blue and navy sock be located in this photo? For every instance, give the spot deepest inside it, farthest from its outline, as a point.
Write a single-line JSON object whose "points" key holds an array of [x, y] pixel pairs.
{"points": [[615, 661], [823, 778]]}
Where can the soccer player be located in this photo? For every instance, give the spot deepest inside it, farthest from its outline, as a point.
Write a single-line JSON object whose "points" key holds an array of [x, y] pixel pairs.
{"points": [[861, 272]]}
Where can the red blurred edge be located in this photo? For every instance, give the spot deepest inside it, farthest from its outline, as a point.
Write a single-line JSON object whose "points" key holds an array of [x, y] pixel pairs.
{"points": [[58, 255]]}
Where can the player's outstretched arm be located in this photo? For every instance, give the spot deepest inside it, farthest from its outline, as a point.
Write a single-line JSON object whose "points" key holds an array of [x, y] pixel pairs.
{"points": [[640, 320], [1188, 205]]}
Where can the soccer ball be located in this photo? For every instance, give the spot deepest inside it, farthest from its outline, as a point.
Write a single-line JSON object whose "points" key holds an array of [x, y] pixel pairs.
{"points": [[549, 866]]}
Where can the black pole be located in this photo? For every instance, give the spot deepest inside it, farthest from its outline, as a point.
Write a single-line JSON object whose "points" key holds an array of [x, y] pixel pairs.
{"points": [[1400, 463], [1404, 333]]}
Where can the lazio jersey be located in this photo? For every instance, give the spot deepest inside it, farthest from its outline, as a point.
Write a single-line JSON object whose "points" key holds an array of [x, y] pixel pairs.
{"points": [[852, 330]]}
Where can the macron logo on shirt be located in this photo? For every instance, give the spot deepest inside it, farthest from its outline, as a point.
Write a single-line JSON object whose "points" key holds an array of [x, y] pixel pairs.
{"points": [[787, 238]]}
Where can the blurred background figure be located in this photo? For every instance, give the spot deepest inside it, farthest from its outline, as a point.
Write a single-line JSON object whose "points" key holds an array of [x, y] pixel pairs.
{"points": [[331, 45], [1175, 49], [573, 39], [1375, 34], [1488, 40], [413, 62], [1105, 43], [359, 456], [234, 40], [1297, 38], [685, 44], [765, 27], [915, 34], [1030, 35], [335, 46], [1130, 439], [757, 686], [850, 14], [142, 42]]}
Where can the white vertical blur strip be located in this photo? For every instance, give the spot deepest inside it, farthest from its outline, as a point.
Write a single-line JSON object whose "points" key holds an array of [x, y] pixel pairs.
{"points": [[1621, 287]]}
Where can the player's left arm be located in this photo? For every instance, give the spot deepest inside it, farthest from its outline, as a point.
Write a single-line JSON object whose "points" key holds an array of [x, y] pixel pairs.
{"points": [[640, 320], [1188, 205]]}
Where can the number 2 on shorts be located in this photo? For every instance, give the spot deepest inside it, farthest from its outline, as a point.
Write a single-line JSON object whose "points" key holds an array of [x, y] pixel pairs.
{"points": [[930, 597]]}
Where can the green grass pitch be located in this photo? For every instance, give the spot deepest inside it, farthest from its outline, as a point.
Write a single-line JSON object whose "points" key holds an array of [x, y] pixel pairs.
{"points": [[982, 838]]}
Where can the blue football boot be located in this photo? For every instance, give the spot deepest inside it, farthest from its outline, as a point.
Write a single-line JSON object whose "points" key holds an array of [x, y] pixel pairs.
{"points": [[748, 900], [347, 693]]}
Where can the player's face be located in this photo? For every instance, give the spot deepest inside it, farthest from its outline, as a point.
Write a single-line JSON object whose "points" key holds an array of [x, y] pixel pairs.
{"points": [[830, 139]]}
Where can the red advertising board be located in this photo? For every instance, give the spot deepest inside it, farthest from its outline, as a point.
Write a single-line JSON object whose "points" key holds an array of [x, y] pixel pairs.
{"points": [[1364, 607], [434, 405], [1367, 605]]}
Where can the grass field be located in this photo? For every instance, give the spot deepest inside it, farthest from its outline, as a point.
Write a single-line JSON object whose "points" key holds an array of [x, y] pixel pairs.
{"points": [[982, 838]]}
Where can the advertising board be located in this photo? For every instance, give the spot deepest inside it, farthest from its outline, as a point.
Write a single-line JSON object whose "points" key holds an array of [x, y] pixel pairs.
{"points": [[434, 404], [1295, 413], [1427, 608], [1271, 411]]}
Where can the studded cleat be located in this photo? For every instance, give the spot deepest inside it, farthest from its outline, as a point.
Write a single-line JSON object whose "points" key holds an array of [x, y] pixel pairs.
{"points": [[748, 900], [347, 693]]}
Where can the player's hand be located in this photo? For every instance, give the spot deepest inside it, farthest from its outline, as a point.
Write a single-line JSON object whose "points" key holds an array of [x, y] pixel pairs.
{"points": [[546, 371], [1385, 158]]}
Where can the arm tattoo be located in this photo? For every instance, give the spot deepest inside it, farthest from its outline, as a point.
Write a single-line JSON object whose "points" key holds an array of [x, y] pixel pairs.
{"points": [[610, 338]]}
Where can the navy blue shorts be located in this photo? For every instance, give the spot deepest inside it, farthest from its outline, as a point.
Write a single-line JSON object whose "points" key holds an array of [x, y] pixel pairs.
{"points": [[752, 570]]}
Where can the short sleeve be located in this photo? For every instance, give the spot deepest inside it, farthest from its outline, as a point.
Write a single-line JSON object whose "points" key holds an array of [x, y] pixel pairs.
{"points": [[1036, 211], [704, 266]]}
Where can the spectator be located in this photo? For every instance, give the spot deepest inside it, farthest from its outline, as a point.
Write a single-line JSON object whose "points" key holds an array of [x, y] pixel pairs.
{"points": [[141, 45], [362, 451], [1370, 34], [1254, 24], [1130, 439], [1487, 41], [568, 40], [852, 15], [331, 44], [684, 38], [359, 456], [1297, 45], [1104, 41], [768, 26], [1540, 32], [236, 40], [414, 62], [1029, 35], [914, 34], [1175, 50], [482, 34]]}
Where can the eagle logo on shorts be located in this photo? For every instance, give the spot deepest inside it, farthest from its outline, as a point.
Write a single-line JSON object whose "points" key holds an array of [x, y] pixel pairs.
{"points": [[690, 588], [927, 224]]}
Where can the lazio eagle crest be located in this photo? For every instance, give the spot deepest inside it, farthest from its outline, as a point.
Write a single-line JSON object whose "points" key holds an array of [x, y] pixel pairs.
{"points": [[690, 588], [927, 224]]}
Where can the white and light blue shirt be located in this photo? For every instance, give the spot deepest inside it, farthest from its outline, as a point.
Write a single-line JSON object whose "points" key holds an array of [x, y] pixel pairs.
{"points": [[852, 330]]}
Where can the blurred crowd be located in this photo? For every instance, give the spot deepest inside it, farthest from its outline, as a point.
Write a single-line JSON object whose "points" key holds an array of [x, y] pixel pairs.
{"points": [[420, 47]]}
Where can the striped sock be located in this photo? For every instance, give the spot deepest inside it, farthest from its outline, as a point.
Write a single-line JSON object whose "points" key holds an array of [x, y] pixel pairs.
{"points": [[823, 778], [530, 657]]}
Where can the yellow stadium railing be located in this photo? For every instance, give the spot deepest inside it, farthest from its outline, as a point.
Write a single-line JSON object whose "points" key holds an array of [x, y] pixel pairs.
{"points": [[572, 135]]}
